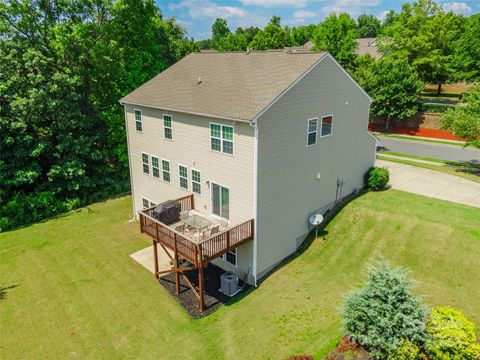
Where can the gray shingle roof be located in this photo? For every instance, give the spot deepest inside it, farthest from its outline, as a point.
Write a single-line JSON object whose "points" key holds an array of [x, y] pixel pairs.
{"points": [[233, 84]]}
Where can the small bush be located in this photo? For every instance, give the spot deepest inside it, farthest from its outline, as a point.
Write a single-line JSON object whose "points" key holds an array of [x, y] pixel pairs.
{"points": [[450, 336], [377, 178], [406, 351], [383, 313]]}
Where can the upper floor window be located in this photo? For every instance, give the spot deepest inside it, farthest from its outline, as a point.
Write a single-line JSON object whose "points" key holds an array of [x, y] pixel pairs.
{"points": [[327, 124], [146, 167], [138, 120], [167, 127], [155, 167], [196, 182], [221, 138], [312, 132], [166, 170], [183, 172]]}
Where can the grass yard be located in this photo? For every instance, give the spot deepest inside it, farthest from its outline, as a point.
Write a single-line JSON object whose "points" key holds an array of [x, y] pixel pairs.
{"points": [[70, 289]]}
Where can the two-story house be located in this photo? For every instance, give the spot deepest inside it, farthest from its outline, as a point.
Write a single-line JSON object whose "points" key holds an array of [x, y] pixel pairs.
{"points": [[261, 140]]}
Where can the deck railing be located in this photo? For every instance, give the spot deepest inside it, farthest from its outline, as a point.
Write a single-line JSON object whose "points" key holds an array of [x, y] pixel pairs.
{"points": [[209, 249]]}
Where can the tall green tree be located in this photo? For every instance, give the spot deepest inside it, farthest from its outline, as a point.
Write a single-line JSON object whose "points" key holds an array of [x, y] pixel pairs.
{"points": [[427, 36], [233, 42], [393, 86], [220, 30], [464, 121], [337, 35], [368, 26], [302, 34], [65, 64], [249, 32], [467, 54], [273, 36]]}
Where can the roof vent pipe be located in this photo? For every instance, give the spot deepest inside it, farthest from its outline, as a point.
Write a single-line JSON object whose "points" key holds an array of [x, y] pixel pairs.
{"points": [[248, 50], [199, 80]]}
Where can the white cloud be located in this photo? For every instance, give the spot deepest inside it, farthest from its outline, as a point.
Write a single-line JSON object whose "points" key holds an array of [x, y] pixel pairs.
{"points": [[300, 17], [272, 3], [382, 15], [457, 7], [352, 7], [207, 9]]}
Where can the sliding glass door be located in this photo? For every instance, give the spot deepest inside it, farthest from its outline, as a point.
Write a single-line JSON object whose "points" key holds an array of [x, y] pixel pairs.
{"points": [[220, 201]]}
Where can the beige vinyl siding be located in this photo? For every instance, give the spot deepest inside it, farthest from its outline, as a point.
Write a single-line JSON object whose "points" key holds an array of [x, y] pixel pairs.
{"points": [[288, 190], [190, 147]]}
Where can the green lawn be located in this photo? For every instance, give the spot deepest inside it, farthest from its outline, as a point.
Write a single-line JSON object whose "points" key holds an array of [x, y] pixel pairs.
{"points": [[75, 293]]}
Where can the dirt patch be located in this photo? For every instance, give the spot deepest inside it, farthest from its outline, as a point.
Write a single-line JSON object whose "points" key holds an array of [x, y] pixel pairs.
{"points": [[347, 350], [213, 298]]}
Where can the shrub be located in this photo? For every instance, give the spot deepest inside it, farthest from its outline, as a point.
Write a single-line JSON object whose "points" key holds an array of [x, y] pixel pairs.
{"points": [[383, 313], [450, 336], [406, 351], [377, 178]]}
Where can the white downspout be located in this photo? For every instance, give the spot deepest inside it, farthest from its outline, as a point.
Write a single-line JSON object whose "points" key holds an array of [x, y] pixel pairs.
{"points": [[255, 212], [134, 218]]}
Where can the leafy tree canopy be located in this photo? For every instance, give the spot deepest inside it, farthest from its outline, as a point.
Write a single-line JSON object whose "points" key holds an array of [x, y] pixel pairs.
{"points": [[368, 26], [219, 30], [337, 35], [464, 121], [392, 84], [273, 36], [302, 34]]}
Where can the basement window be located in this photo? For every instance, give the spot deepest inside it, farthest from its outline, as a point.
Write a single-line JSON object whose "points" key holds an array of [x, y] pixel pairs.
{"points": [[312, 131], [167, 127], [231, 257], [145, 203], [138, 120], [146, 167]]}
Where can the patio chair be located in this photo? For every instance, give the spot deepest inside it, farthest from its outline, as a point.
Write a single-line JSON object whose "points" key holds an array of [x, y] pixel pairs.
{"points": [[180, 228], [213, 231]]}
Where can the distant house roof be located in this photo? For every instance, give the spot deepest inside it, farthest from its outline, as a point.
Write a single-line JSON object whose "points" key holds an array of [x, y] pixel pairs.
{"points": [[368, 46], [235, 85]]}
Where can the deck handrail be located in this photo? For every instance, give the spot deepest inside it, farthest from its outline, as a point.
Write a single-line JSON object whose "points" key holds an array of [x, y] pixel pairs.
{"points": [[190, 249]]}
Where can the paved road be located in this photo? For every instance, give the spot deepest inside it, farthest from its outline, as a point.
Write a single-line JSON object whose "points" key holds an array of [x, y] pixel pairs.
{"points": [[419, 148], [432, 183]]}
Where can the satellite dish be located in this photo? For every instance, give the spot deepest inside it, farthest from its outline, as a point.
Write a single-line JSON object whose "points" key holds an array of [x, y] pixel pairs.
{"points": [[315, 220]]}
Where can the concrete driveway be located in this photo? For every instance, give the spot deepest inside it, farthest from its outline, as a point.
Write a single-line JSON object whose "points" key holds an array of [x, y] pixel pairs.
{"points": [[432, 183]]}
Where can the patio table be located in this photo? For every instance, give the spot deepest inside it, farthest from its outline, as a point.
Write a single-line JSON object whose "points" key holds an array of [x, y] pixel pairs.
{"points": [[198, 222]]}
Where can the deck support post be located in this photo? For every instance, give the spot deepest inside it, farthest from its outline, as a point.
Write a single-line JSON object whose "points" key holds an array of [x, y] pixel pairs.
{"points": [[200, 279], [175, 264], [155, 259]]}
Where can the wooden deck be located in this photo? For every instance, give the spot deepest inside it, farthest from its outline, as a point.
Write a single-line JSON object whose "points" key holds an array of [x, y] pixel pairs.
{"points": [[198, 253]]}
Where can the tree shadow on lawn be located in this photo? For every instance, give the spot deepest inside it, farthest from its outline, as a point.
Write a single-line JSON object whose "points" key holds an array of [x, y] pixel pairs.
{"points": [[4, 290]]}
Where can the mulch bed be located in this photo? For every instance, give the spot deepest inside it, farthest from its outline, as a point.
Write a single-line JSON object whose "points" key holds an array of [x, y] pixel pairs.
{"points": [[347, 350], [422, 132], [213, 298]]}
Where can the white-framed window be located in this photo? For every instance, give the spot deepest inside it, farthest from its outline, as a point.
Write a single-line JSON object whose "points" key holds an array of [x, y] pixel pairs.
{"points": [[231, 257], [145, 164], [183, 174], [147, 203], [196, 182], [155, 167], [312, 131], [221, 138], [166, 170], [167, 127], [138, 120], [326, 126]]}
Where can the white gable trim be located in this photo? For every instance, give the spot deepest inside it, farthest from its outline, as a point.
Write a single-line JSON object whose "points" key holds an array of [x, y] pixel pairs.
{"points": [[327, 55]]}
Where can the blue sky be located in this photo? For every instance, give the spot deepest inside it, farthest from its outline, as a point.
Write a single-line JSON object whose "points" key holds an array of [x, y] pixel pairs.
{"points": [[197, 16]]}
